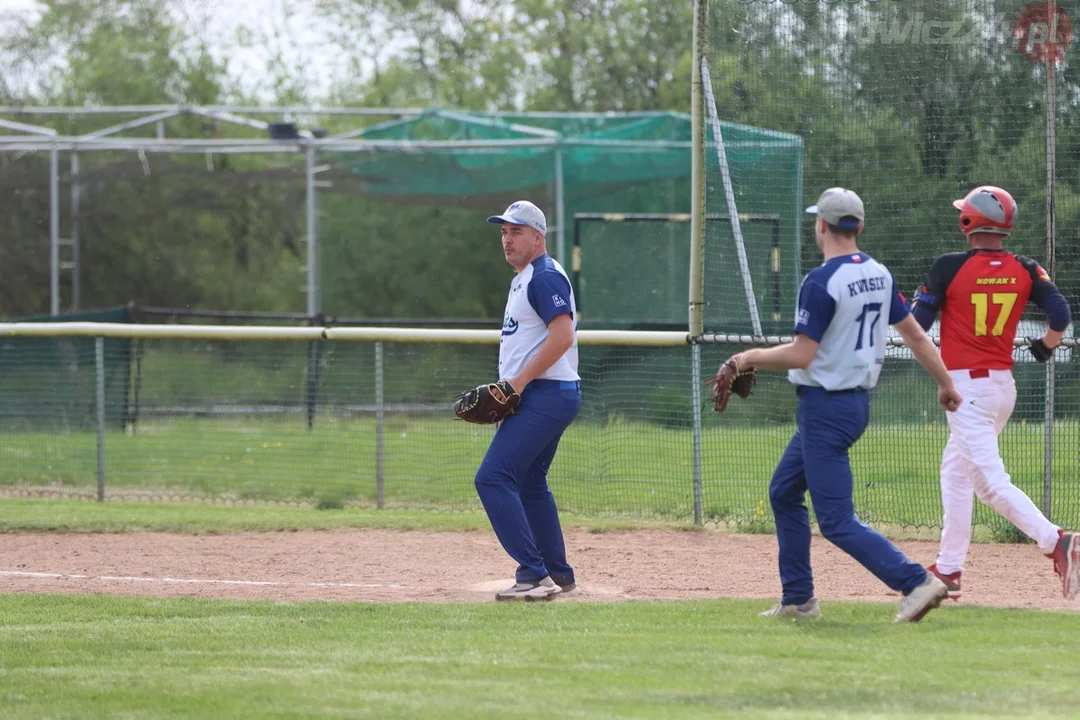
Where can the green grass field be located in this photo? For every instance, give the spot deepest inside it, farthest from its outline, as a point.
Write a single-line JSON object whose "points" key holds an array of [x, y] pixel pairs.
{"points": [[79, 657], [91, 517], [71, 656], [621, 469]]}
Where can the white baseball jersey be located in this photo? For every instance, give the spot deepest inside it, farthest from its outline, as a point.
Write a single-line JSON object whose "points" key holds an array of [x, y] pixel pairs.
{"points": [[538, 294], [846, 305]]}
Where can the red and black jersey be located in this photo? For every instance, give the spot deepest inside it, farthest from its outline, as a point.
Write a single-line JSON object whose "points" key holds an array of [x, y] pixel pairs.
{"points": [[981, 295]]}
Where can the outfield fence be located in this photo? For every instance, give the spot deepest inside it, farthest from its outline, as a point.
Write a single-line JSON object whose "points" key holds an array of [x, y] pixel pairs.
{"points": [[333, 417]]}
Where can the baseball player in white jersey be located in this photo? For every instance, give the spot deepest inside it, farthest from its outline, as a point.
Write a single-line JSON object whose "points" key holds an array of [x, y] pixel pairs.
{"points": [[538, 356], [845, 308]]}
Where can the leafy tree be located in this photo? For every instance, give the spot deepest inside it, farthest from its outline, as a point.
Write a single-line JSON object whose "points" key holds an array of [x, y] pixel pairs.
{"points": [[607, 55], [910, 103], [116, 52], [466, 55]]}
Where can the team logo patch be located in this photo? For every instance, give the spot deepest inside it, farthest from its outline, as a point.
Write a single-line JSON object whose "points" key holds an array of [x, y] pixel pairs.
{"points": [[1043, 275], [803, 317], [856, 258], [558, 301], [510, 326]]}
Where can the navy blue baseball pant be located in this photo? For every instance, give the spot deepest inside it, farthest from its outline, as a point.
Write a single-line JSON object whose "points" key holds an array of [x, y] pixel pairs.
{"points": [[512, 480], [816, 459]]}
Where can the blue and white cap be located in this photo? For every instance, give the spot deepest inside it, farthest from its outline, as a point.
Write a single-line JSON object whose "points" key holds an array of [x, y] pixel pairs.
{"points": [[522, 212]]}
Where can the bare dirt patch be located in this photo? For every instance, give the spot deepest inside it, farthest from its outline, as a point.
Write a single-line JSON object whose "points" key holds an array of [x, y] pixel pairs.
{"points": [[414, 566]]}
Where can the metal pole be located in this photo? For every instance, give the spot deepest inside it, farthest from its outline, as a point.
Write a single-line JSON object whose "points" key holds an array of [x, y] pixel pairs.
{"points": [[672, 282], [75, 290], [314, 357], [774, 264], [99, 366], [560, 220], [697, 171], [575, 265], [1051, 249], [695, 392], [729, 198], [796, 252], [313, 302], [54, 233], [380, 482]]}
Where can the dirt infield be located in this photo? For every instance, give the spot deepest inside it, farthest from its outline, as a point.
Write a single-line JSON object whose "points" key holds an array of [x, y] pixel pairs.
{"points": [[415, 566]]}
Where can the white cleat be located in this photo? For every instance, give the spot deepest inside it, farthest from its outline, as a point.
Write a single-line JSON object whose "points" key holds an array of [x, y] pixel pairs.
{"points": [[543, 589], [922, 600], [807, 611]]}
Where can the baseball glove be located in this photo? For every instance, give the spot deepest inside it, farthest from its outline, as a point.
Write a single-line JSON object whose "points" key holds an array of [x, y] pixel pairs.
{"points": [[731, 378], [1039, 351], [487, 404]]}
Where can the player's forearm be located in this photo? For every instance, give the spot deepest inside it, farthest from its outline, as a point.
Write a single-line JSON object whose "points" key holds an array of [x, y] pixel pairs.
{"points": [[555, 345], [781, 357], [922, 347], [1052, 338], [548, 354]]}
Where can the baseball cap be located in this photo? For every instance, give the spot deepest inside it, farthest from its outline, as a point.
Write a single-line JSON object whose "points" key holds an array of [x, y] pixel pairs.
{"points": [[839, 207], [522, 212]]}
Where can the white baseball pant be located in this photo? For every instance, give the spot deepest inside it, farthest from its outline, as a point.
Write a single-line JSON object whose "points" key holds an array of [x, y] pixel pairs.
{"points": [[972, 464]]}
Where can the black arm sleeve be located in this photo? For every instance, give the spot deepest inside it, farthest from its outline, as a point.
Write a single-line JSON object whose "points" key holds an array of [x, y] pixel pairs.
{"points": [[1045, 294]]}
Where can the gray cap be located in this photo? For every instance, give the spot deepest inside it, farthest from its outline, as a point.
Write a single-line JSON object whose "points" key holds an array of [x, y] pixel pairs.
{"points": [[522, 212], [839, 207]]}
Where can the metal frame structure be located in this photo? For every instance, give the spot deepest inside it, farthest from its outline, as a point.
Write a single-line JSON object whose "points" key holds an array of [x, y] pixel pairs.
{"points": [[771, 218], [40, 138]]}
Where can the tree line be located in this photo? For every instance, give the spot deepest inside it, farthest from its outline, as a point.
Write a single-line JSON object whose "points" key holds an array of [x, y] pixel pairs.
{"points": [[909, 119]]}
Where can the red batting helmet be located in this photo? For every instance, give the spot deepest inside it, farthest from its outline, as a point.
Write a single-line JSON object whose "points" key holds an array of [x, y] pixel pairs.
{"points": [[987, 209]]}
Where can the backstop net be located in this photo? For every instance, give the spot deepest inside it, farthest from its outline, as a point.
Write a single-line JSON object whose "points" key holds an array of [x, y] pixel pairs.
{"points": [[630, 270], [912, 105]]}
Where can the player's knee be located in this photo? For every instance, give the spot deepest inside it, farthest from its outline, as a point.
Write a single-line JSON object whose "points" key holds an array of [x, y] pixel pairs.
{"points": [[776, 499], [487, 477], [534, 487], [480, 482], [989, 495], [837, 524], [782, 497]]}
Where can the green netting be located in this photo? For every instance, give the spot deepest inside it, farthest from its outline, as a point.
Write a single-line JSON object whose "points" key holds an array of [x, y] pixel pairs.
{"points": [[912, 105], [49, 384], [607, 163], [631, 271], [596, 153], [228, 422]]}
